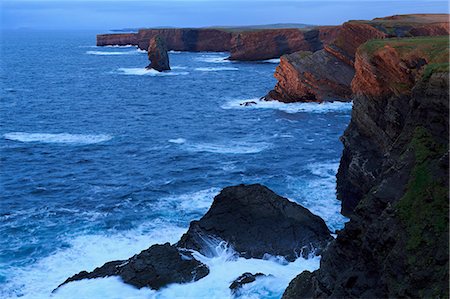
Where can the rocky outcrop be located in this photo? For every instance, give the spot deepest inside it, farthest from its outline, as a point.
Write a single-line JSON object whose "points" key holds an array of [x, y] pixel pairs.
{"points": [[311, 77], [157, 54], [154, 267], [303, 78], [255, 221], [251, 219], [393, 179], [245, 278]]}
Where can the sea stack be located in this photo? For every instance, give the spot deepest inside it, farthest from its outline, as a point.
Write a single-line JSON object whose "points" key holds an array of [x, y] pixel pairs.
{"points": [[157, 54]]}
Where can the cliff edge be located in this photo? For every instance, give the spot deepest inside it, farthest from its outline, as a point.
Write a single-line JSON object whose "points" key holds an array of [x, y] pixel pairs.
{"points": [[326, 75], [393, 179]]}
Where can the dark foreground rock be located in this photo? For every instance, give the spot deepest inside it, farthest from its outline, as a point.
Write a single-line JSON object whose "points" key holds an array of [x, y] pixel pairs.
{"points": [[154, 267], [255, 221], [245, 278], [393, 179], [157, 54], [251, 218]]}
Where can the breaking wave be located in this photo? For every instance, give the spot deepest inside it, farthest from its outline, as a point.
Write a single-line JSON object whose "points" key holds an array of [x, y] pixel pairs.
{"points": [[148, 72], [256, 103], [113, 53], [216, 69], [229, 148], [62, 138]]}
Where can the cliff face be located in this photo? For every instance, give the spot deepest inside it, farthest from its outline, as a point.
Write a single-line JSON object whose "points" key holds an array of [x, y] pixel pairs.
{"points": [[301, 79], [394, 169], [249, 45], [120, 39], [266, 44], [193, 40]]}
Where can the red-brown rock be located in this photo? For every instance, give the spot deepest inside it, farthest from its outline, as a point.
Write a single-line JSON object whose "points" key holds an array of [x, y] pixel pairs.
{"points": [[117, 39], [272, 43], [305, 78], [157, 54], [243, 44]]}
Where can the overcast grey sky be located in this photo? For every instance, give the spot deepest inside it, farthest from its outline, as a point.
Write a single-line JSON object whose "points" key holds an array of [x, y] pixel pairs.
{"points": [[102, 15]]}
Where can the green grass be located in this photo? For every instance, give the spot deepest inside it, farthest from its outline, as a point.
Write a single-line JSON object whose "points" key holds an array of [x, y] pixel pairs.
{"points": [[424, 207], [435, 48]]}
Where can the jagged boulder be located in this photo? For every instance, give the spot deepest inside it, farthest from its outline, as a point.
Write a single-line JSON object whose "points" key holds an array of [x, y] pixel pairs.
{"points": [[154, 267], [255, 221], [157, 54], [243, 279]]}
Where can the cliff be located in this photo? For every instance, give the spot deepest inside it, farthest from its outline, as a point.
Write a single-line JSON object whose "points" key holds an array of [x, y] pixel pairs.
{"points": [[242, 43], [392, 179], [303, 78], [272, 43]]}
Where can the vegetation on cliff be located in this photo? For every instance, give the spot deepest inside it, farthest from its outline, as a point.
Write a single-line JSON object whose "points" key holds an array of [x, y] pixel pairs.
{"points": [[396, 160]]}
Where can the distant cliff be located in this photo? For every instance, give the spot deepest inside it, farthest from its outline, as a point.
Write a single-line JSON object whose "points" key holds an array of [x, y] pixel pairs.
{"points": [[392, 179], [242, 43], [327, 73]]}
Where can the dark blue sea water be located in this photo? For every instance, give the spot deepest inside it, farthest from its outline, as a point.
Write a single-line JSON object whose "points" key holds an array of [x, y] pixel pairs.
{"points": [[101, 158]]}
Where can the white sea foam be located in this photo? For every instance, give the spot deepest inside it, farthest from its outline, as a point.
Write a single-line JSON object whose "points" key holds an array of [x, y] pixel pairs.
{"points": [[228, 148], [148, 72], [120, 46], [63, 138], [198, 201], [177, 140], [112, 53], [216, 69], [318, 194], [175, 52], [86, 253], [224, 268], [324, 107], [274, 60], [213, 59], [177, 67]]}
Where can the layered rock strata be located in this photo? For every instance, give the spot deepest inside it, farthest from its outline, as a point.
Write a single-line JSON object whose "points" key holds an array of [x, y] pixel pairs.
{"points": [[243, 44], [327, 75], [393, 179]]}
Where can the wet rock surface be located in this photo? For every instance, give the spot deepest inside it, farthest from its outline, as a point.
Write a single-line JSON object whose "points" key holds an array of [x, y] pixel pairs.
{"points": [[255, 221], [157, 54], [245, 278], [154, 267]]}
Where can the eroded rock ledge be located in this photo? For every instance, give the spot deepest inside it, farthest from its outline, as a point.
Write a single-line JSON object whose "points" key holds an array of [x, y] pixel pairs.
{"points": [[326, 75], [393, 179]]}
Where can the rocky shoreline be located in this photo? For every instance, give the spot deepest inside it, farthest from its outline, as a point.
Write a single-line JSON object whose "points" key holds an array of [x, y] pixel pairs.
{"points": [[393, 174], [250, 220], [326, 75]]}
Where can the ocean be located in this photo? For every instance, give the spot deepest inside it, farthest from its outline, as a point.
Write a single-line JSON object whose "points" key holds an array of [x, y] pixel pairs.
{"points": [[101, 158]]}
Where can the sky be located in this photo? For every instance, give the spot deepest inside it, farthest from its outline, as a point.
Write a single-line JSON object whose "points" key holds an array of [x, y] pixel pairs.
{"points": [[104, 15]]}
